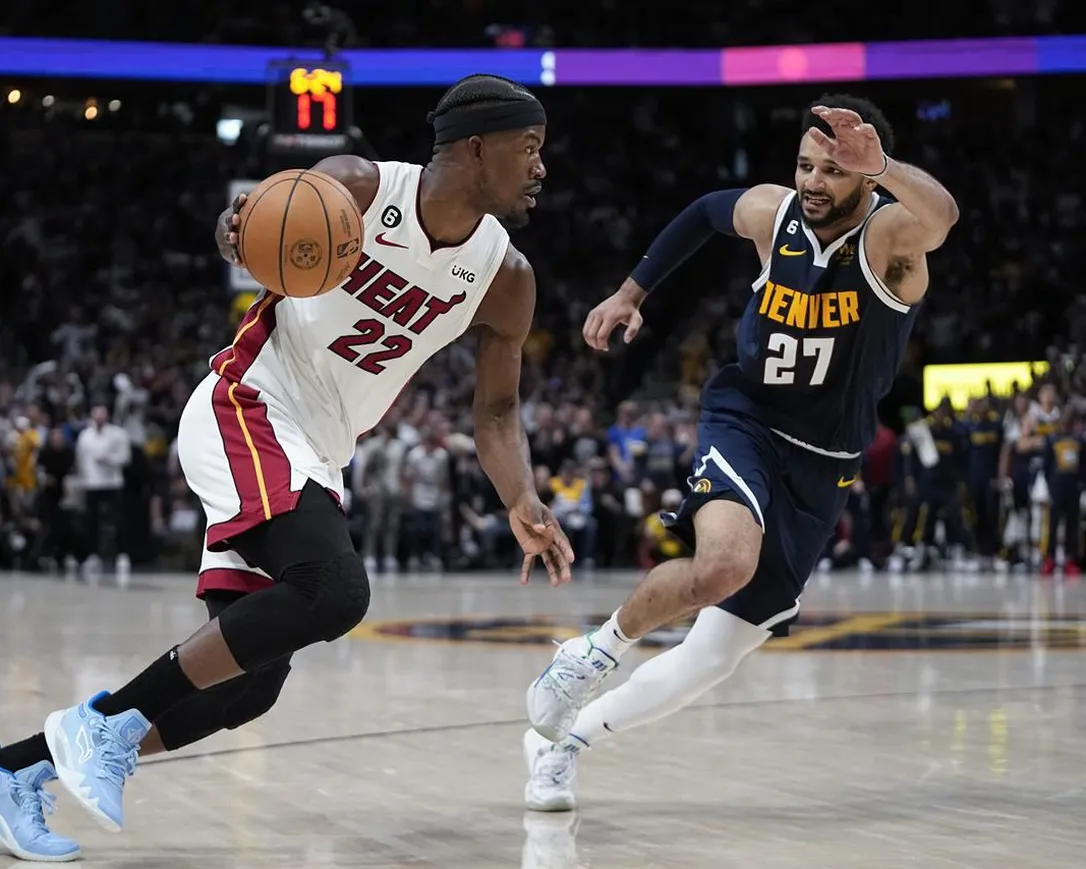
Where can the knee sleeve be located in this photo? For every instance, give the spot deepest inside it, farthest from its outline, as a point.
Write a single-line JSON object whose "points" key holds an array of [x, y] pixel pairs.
{"points": [[338, 592], [259, 695], [228, 705], [313, 601]]}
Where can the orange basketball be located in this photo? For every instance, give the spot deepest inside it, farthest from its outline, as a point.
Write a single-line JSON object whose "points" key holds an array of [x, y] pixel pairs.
{"points": [[300, 233]]}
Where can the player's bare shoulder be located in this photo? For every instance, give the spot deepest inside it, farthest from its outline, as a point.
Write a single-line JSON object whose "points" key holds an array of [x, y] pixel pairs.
{"points": [[756, 212], [357, 174], [509, 303]]}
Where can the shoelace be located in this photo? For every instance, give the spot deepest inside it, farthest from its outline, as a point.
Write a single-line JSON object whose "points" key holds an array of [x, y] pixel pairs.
{"points": [[119, 757], [36, 803], [561, 676], [555, 764]]}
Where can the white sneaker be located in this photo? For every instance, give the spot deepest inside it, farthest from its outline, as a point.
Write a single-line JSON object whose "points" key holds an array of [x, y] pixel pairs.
{"points": [[551, 773], [574, 676]]}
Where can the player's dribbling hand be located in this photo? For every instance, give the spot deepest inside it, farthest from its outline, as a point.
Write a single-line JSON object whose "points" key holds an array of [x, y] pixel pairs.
{"points": [[540, 536], [226, 231], [857, 147], [622, 308]]}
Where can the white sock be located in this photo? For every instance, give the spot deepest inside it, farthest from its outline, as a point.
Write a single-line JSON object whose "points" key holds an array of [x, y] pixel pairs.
{"points": [[711, 651], [610, 639]]}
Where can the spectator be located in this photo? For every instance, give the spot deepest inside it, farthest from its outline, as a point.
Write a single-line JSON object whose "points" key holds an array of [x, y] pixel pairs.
{"points": [[426, 480], [572, 507], [102, 452], [376, 474]]}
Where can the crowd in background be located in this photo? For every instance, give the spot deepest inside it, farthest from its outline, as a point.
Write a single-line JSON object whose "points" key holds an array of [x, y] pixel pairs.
{"points": [[114, 297], [517, 23]]}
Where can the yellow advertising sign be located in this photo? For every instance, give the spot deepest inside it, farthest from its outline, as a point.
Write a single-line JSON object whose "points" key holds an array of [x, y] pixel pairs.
{"points": [[970, 380]]}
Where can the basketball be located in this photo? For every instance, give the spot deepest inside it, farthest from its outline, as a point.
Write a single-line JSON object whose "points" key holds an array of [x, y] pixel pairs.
{"points": [[300, 233]]}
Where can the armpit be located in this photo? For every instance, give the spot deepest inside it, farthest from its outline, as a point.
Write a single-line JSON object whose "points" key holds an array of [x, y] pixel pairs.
{"points": [[897, 270]]}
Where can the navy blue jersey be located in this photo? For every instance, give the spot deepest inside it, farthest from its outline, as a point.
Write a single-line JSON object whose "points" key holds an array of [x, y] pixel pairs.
{"points": [[985, 432], [819, 342]]}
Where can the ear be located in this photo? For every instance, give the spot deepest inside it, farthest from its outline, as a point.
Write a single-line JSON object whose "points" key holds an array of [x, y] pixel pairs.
{"points": [[475, 148]]}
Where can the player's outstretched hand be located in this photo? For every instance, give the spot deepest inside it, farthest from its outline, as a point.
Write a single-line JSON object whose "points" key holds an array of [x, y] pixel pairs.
{"points": [[226, 231], [856, 146], [540, 536], [622, 308]]}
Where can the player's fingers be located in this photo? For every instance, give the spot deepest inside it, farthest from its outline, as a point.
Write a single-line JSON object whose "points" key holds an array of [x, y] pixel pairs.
{"points": [[604, 327], [603, 333], [562, 542], [553, 565], [239, 201], [867, 130], [841, 118], [589, 329], [820, 138], [633, 327], [592, 331], [565, 574], [526, 569]]}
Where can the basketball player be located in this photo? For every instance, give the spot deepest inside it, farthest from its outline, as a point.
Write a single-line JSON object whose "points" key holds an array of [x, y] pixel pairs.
{"points": [[782, 431], [265, 436]]}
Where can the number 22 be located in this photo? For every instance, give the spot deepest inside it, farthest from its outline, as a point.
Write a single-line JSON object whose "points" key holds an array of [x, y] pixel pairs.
{"points": [[370, 332], [780, 369]]}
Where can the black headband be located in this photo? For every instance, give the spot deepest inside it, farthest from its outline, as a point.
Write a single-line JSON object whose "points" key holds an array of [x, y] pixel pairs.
{"points": [[460, 122]]}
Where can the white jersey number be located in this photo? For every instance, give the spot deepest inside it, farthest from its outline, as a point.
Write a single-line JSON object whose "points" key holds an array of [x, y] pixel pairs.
{"points": [[780, 368]]}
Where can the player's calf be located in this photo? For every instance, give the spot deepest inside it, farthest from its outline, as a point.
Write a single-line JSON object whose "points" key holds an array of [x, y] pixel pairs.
{"points": [[227, 706], [95, 745], [729, 542]]}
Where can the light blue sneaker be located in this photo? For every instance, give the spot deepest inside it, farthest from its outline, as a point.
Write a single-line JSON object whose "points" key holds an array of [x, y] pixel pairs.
{"points": [[94, 755], [23, 805]]}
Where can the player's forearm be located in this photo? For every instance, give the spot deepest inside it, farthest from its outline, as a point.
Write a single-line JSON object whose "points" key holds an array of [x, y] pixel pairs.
{"points": [[502, 449], [687, 232], [924, 197]]}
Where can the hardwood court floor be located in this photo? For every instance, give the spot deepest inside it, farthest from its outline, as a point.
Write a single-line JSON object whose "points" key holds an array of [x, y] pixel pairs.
{"points": [[935, 721]]}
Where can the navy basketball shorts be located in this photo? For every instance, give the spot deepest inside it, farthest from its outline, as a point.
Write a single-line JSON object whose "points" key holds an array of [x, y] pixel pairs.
{"points": [[795, 495]]}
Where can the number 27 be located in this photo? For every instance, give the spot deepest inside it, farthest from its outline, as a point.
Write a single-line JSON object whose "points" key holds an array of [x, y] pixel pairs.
{"points": [[780, 369]]}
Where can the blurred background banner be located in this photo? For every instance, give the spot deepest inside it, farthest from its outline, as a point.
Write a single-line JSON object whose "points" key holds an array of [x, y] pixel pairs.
{"points": [[756, 65]]}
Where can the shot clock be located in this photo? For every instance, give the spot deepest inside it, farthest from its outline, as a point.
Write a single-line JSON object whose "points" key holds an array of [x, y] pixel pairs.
{"points": [[309, 105]]}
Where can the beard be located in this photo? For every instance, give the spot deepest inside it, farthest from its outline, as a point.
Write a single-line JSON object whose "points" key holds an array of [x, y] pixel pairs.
{"points": [[514, 220], [837, 210]]}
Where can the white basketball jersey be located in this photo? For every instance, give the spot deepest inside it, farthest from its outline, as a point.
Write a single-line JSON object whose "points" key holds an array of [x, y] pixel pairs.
{"points": [[336, 363]]}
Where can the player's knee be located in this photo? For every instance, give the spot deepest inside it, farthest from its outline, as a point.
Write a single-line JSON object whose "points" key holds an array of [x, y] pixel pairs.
{"points": [[719, 573], [338, 591], [260, 695]]}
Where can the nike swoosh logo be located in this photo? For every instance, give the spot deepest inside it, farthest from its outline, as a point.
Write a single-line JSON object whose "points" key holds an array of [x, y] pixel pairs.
{"points": [[784, 251], [380, 239], [842, 483]]}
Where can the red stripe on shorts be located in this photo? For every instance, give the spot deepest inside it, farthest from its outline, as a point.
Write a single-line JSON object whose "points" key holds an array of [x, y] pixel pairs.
{"points": [[231, 579], [259, 467]]}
